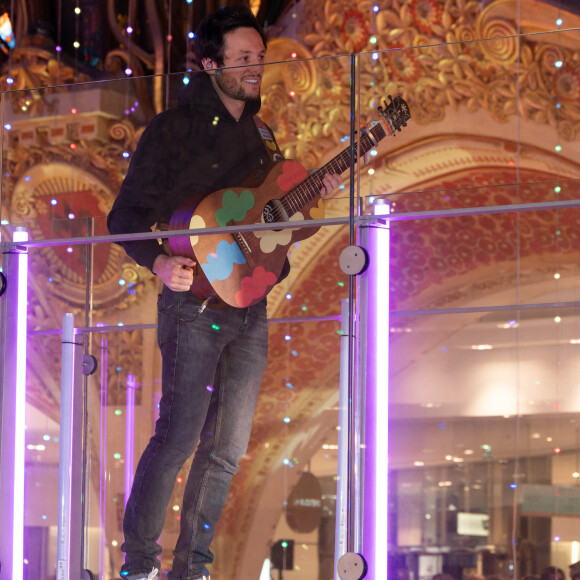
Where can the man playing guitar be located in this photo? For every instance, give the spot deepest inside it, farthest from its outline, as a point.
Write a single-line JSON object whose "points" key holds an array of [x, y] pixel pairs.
{"points": [[213, 358]]}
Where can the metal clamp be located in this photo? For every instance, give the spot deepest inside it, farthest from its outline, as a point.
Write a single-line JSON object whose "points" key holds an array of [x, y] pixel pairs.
{"points": [[11, 247], [89, 364], [353, 260], [351, 566]]}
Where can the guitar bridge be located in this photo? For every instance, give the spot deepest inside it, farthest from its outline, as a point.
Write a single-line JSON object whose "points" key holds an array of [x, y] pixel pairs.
{"points": [[242, 243]]}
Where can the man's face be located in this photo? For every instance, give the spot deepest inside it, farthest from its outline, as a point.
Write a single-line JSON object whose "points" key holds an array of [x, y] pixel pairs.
{"points": [[243, 48]]}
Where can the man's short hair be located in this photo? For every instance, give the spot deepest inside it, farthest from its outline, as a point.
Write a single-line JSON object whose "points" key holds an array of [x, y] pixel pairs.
{"points": [[209, 37]]}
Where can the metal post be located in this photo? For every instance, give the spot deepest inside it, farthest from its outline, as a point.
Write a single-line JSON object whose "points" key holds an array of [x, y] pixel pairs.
{"points": [[351, 518], [70, 531], [348, 459], [13, 405]]}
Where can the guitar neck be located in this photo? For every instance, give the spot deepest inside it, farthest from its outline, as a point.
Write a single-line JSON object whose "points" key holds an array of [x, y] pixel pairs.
{"points": [[308, 189]]}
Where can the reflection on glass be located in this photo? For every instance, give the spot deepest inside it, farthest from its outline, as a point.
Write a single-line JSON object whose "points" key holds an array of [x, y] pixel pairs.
{"points": [[484, 329]]}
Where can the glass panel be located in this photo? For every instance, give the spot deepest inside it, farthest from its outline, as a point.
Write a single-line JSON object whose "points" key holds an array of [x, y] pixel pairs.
{"points": [[483, 333], [76, 158], [484, 305]]}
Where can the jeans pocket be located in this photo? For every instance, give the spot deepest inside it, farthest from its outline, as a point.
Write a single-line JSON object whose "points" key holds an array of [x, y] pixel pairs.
{"points": [[180, 306], [168, 303], [167, 306]]}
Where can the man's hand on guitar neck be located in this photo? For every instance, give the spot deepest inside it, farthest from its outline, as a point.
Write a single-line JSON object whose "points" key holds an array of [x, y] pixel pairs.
{"points": [[176, 272], [330, 182]]}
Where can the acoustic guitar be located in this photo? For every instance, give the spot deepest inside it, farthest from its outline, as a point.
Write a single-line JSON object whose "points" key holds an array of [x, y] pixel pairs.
{"points": [[239, 269]]}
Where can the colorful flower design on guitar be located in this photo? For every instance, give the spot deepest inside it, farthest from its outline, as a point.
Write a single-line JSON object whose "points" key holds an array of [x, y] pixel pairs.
{"points": [[292, 173], [220, 264], [254, 287], [318, 213], [196, 223], [270, 240], [234, 207]]}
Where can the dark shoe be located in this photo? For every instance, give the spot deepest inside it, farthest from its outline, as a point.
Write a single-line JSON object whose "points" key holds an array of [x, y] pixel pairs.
{"points": [[141, 575]]}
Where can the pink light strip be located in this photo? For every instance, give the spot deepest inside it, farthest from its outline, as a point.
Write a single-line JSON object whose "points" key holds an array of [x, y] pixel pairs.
{"points": [[20, 411], [103, 460], [129, 435], [375, 531]]}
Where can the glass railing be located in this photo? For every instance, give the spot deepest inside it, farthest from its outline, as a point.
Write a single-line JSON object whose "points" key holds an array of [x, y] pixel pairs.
{"points": [[483, 325]]}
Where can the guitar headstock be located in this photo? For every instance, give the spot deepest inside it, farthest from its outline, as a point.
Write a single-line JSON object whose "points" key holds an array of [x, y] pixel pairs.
{"points": [[396, 113]]}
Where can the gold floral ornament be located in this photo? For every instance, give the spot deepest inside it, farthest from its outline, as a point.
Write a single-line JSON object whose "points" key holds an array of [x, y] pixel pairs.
{"points": [[567, 83], [354, 30], [482, 66], [33, 68], [403, 64], [451, 53], [426, 15], [341, 29]]}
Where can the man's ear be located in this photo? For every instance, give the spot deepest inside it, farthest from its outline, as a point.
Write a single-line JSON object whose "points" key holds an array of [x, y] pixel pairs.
{"points": [[207, 63]]}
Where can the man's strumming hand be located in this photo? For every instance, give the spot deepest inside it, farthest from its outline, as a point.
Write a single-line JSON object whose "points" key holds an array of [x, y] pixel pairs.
{"points": [[176, 272]]}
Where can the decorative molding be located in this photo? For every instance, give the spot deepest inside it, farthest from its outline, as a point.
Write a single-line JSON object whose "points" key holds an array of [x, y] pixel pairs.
{"points": [[438, 55]]}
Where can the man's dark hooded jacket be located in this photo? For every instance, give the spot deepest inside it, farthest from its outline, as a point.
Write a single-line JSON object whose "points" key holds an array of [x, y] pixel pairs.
{"points": [[190, 150]]}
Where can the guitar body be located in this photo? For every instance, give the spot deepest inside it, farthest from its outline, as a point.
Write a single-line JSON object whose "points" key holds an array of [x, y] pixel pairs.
{"points": [[239, 269]]}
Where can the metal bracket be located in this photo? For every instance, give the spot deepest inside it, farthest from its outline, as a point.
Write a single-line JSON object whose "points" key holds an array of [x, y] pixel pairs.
{"points": [[351, 566], [11, 247], [89, 364], [353, 260]]}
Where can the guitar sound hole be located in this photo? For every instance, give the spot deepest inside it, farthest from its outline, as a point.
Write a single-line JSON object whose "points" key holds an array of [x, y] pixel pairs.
{"points": [[270, 213], [274, 212]]}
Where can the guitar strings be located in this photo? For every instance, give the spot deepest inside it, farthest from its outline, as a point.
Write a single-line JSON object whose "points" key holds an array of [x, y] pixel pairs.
{"points": [[307, 190]]}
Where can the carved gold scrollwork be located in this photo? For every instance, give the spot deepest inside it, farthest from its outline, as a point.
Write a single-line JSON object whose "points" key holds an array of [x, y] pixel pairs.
{"points": [[124, 132], [301, 76], [120, 131], [501, 44], [289, 67]]}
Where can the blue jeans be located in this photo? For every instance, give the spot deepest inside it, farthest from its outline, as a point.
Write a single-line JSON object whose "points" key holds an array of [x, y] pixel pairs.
{"points": [[212, 369]]}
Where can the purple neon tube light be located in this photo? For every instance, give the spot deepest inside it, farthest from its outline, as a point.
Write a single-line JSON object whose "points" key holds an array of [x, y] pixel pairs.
{"points": [[377, 400], [129, 435], [20, 412], [103, 457]]}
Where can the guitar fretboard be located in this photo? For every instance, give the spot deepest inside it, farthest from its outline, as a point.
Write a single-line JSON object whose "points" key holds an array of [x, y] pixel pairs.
{"points": [[308, 189]]}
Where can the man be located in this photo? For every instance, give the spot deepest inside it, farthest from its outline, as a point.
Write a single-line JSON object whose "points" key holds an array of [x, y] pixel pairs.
{"points": [[210, 378]]}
